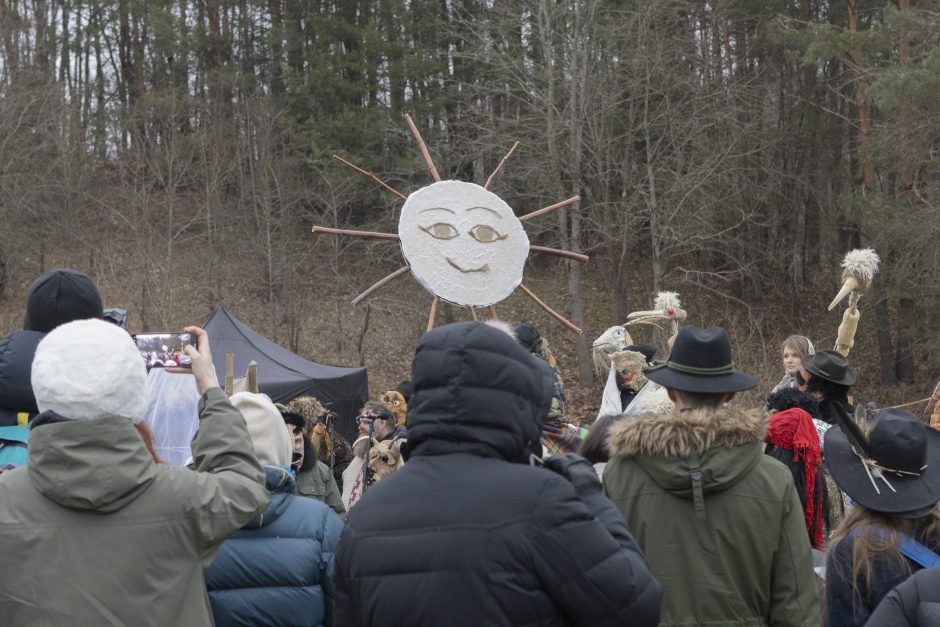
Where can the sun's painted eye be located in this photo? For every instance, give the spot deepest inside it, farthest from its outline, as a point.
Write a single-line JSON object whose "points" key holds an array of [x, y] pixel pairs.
{"points": [[485, 234], [440, 230]]}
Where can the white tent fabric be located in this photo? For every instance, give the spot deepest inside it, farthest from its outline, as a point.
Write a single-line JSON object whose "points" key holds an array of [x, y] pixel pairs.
{"points": [[172, 414]]}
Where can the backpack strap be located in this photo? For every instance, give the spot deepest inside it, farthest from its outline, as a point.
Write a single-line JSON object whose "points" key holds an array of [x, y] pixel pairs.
{"points": [[917, 552]]}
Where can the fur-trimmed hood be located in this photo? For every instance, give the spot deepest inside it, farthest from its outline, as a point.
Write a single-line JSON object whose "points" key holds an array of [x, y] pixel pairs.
{"points": [[722, 443]]}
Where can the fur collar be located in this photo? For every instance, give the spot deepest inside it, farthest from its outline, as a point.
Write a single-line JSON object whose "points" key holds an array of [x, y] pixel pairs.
{"points": [[680, 434]]}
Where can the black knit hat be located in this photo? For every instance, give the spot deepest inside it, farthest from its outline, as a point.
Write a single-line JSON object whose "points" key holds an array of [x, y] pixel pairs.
{"points": [[61, 296]]}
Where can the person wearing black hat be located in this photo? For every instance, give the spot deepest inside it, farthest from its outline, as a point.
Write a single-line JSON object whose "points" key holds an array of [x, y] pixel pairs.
{"points": [[826, 376], [721, 524], [893, 475], [56, 297]]}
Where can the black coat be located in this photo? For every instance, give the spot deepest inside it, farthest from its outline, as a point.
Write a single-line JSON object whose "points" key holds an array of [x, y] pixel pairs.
{"points": [[914, 603], [465, 535], [16, 363]]}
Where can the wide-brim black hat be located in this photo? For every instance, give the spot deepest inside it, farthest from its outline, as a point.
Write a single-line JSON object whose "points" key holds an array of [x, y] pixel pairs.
{"points": [[900, 448], [829, 365], [700, 362]]}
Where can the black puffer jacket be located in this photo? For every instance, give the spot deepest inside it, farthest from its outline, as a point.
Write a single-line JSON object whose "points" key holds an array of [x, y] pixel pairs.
{"points": [[462, 535], [16, 363], [914, 603]]}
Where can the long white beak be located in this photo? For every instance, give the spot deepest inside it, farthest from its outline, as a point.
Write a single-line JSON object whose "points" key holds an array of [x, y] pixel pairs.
{"points": [[850, 285], [644, 314]]}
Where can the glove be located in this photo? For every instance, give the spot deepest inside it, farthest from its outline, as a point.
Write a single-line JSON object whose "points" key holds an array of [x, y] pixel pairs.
{"points": [[577, 470]]}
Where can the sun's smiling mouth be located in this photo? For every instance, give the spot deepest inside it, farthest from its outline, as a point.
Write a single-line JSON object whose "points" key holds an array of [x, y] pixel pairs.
{"points": [[484, 268]]}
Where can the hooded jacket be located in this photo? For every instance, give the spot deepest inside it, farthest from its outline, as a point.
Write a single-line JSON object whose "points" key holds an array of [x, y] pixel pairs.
{"points": [[467, 533], [16, 392], [101, 535], [914, 603], [278, 569], [720, 522]]}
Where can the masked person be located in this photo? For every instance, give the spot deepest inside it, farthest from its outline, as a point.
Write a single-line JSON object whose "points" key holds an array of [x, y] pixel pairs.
{"points": [[376, 423], [313, 477]]}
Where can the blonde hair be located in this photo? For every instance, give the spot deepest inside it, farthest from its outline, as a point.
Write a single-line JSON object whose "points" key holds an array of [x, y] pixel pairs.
{"points": [[876, 536], [799, 344]]}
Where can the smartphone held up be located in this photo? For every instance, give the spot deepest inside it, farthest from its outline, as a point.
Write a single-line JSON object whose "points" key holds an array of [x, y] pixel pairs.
{"points": [[164, 350]]}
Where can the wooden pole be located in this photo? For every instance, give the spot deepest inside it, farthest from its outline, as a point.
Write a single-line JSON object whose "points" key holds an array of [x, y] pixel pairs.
{"points": [[229, 373], [554, 314], [500, 166], [380, 283], [431, 317], [393, 237], [567, 254], [473, 314], [423, 147], [544, 210], [371, 176], [253, 377]]}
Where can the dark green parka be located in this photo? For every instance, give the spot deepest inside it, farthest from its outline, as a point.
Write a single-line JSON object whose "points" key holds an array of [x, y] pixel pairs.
{"points": [[720, 522]]}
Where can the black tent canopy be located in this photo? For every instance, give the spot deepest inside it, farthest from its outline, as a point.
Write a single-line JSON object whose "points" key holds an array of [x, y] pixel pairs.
{"points": [[282, 375]]}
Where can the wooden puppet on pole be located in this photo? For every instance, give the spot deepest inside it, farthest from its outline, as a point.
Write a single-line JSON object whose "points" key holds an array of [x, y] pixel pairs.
{"points": [[463, 243], [860, 266]]}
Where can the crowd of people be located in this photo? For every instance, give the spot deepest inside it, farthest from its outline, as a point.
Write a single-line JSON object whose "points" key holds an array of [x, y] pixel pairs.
{"points": [[469, 496]]}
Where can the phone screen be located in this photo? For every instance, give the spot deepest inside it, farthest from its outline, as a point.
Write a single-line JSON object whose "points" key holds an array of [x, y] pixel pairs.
{"points": [[164, 350]]}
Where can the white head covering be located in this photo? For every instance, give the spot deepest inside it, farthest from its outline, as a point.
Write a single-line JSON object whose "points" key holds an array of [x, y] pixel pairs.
{"points": [[90, 369], [268, 433]]}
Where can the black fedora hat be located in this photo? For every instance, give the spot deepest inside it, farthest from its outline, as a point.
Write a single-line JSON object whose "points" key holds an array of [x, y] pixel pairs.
{"points": [[900, 472], [829, 365], [700, 362]]}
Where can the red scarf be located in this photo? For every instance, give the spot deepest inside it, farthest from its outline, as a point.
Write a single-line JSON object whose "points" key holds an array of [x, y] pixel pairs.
{"points": [[793, 429]]}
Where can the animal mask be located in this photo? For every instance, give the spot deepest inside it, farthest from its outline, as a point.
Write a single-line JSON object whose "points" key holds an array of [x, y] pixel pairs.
{"points": [[610, 341], [630, 365], [396, 402], [385, 458]]}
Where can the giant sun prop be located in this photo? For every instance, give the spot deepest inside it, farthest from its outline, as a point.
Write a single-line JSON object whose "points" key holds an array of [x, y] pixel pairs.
{"points": [[461, 242]]}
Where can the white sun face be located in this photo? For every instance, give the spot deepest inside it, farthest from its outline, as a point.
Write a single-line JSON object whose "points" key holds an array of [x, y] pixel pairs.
{"points": [[463, 243]]}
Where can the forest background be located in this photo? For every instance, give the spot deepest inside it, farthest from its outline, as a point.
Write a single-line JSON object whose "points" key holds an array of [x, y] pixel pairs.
{"points": [[179, 151]]}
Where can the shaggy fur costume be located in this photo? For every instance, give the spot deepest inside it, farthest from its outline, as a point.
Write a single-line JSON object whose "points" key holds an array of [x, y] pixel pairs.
{"points": [[682, 433]]}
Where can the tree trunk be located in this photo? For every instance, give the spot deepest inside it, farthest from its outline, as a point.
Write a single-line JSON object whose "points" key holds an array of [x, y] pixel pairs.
{"points": [[886, 355], [907, 332]]}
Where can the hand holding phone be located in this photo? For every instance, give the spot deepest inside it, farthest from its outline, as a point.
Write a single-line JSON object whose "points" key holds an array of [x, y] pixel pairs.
{"points": [[200, 357]]}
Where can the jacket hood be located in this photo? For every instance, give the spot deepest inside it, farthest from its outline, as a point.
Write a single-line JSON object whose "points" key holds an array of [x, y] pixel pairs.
{"points": [[476, 390], [723, 444], [16, 361], [280, 482], [100, 465]]}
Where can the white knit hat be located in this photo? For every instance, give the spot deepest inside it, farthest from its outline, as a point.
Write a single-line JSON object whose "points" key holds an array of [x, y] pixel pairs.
{"points": [[90, 369], [268, 434]]}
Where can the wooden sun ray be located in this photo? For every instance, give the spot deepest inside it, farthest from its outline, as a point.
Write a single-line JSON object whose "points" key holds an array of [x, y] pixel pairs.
{"points": [[372, 176], [554, 314], [499, 166], [544, 210], [567, 254], [433, 314], [379, 284], [393, 237], [492, 312], [423, 147]]}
